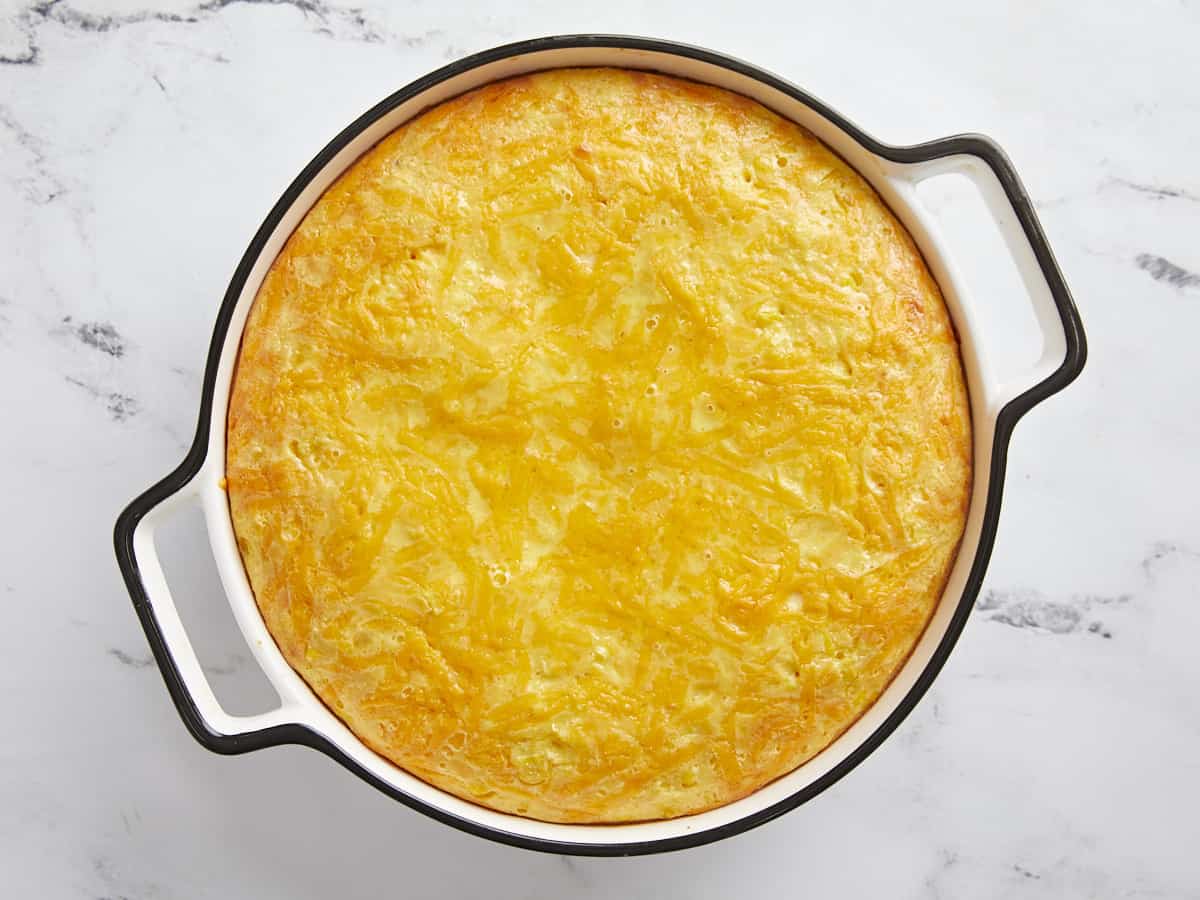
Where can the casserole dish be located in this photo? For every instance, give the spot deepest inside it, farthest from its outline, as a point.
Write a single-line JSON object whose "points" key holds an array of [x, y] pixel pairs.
{"points": [[892, 171]]}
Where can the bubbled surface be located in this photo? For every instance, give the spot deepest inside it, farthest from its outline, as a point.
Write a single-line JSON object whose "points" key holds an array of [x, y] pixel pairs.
{"points": [[598, 447]]}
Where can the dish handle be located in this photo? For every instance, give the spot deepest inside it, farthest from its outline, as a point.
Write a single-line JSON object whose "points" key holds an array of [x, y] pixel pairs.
{"points": [[203, 714], [1064, 345]]}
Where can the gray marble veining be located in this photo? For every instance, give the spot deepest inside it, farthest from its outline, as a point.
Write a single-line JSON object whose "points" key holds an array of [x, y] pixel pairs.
{"points": [[140, 146]]}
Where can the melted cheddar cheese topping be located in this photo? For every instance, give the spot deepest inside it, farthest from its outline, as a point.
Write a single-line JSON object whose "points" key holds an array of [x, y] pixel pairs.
{"points": [[599, 446]]}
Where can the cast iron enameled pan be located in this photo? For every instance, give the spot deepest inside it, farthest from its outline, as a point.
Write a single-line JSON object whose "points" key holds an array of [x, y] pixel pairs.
{"points": [[996, 407]]}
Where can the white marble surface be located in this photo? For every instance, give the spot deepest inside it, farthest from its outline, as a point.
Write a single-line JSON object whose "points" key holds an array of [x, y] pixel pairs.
{"points": [[1057, 756]]}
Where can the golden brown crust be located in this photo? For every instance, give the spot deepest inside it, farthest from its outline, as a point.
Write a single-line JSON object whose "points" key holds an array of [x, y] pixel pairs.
{"points": [[599, 446]]}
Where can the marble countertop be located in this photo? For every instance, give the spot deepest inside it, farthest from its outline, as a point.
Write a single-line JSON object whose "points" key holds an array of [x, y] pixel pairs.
{"points": [[1055, 756]]}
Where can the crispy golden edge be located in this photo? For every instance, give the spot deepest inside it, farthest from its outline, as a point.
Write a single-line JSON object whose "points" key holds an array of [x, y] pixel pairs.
{"points": [[905, 267]]}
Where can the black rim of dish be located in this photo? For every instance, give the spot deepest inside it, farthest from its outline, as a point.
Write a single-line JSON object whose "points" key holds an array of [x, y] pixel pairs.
{"points": [[967, 144]]}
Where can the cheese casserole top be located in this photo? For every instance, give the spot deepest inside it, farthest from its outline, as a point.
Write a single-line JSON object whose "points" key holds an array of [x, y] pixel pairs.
{"points": [[599, 446]]}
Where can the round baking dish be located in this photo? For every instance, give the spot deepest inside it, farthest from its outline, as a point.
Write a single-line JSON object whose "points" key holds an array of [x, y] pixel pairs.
{"points": [[893, 171]]}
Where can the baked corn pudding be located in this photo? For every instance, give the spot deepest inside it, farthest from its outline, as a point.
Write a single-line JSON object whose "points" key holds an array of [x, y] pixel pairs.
{"points": [[598, 447]]}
